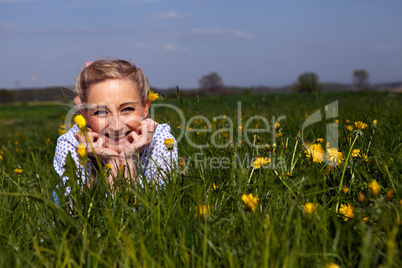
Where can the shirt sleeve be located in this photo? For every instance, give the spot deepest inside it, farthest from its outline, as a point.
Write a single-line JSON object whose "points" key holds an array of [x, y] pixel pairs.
{"points": [[157, 160], [67, 144]]}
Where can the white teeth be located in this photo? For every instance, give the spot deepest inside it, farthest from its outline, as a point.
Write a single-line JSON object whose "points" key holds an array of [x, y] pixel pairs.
{"points": [[116, 138]]}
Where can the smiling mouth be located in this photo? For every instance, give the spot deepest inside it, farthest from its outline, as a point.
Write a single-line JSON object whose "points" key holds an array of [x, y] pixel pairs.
{"points": [[117, 137]]}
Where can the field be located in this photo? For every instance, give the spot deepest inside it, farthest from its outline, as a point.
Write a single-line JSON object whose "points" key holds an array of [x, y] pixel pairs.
{"points": [[335, 205]]}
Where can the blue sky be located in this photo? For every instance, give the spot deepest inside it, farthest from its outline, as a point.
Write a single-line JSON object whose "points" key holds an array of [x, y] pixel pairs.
{"points": [[249, 43]]}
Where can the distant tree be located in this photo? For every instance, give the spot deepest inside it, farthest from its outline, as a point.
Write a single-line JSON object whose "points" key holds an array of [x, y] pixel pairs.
{"points": [[307, 82], [211, 82], [360, 79], [6, 96]]}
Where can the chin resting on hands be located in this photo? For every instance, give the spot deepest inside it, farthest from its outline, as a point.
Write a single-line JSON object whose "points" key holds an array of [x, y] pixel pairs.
{"points": [[95, 145]]}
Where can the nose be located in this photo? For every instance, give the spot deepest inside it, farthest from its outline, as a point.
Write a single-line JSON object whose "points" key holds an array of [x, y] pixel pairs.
{"points": [[116, 124]]}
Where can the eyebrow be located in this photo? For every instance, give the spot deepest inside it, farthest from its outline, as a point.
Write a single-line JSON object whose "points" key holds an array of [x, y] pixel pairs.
{"points": [[97, 107], [127, 103], [104, 107]]}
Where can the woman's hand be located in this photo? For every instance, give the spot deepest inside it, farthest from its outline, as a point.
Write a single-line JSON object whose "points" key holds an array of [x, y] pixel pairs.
{"points": [[96, 146], [151, 128], [136, 142]]}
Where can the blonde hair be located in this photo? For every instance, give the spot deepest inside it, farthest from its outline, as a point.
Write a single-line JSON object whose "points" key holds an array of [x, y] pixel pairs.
{"points": [[102, 70]]}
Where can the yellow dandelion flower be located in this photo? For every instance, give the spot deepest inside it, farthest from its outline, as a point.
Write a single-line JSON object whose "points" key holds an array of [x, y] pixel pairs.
{"points": [[347, 211], [108, 166], [375, 123], [347, 121], [279, 134], [334, 156], [152, 96], [18, 170], [389, 193], [80, 121], [374, 187], [337, 121], [364, 156], [277, 126], [309, 208], [360, 125], [320, 140], [61, 131], [1, 157], [332, 265], [215, 186], [202, 210], [214, 119], [182, 162], [169, 143], [48, 141], [261, 161], [250, 201], [365, 219], [240, 128], [362, 197], [82, 151], [267, 147], [315, 152], [349, 128], [345, 189], [355, 152]]}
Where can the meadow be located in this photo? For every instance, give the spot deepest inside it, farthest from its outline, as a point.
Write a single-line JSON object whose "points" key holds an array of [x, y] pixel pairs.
{"points": [[256, 195]]}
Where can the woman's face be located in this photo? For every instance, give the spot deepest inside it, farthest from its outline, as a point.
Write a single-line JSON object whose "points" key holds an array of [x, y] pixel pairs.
{"points": [[115, 109]]}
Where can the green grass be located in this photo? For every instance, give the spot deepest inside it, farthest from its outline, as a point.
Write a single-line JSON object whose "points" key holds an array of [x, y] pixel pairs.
{"points": [[164, 227]]}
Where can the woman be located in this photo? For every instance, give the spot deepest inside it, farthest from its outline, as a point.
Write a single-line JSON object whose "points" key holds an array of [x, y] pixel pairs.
{"points": [[114, 102]]}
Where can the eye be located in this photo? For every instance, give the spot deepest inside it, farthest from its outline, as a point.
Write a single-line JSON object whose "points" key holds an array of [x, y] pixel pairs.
{"points": [[128, 110], [100, 112]]}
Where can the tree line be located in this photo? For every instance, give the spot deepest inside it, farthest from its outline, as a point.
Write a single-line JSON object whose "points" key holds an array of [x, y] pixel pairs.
{"points": [[306, 82], [209, 84]]}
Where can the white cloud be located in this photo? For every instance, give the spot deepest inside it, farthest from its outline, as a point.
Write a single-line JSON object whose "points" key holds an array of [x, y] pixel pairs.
{"points": [[218, 33], [6, 26], [144, 45], [17, 1], [137, 1], [166, 47], [333, 45], [383, 47], [169, 47], [171, 15]]}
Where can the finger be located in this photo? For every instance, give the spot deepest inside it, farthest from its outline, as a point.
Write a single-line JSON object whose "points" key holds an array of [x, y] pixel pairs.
{"points": [[79, 137], [131, 146], [151, 124], [132, 137], [101, 141], [145, 133], [105, 152], [94, 136]]}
